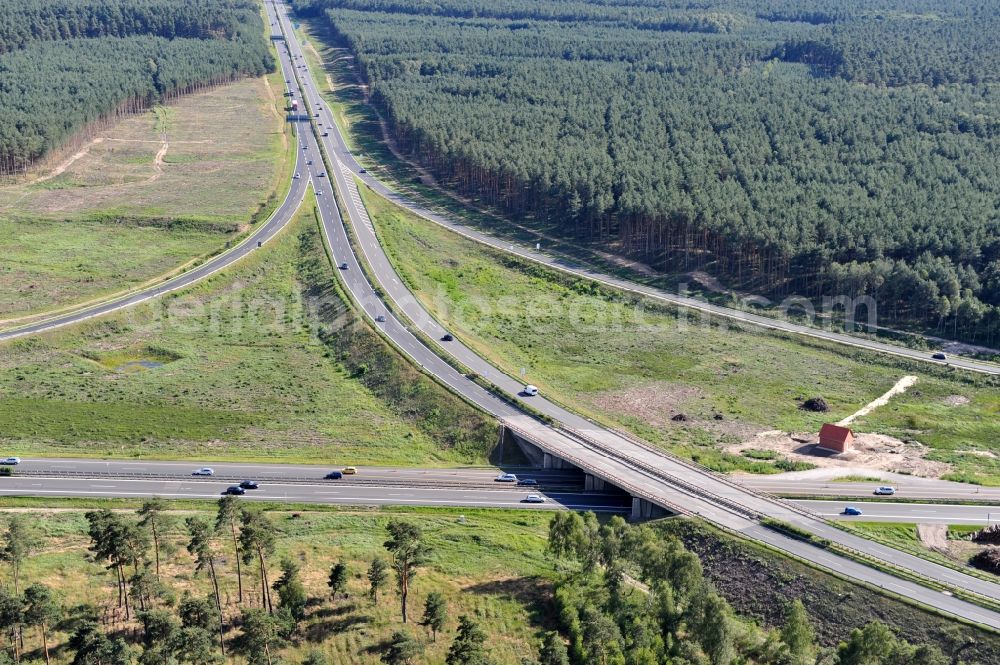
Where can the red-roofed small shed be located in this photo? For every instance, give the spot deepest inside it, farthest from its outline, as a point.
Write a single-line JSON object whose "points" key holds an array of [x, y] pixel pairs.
{"points": [[835, 438]]}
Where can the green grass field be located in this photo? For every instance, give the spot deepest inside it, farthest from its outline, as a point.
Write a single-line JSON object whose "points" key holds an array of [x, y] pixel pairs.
{"points": [[233, 371], [131, 207], [636, 365], [490, 564]]}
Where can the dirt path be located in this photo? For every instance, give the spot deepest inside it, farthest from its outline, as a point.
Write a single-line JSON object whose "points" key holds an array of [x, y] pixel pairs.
{"points": [[934, 536], [158, 160], [900, 387], [68, 162]]}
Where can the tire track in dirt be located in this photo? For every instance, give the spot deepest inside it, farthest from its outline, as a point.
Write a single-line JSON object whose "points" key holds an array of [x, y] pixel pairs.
{"points": [[158, 160], [68, 162]]}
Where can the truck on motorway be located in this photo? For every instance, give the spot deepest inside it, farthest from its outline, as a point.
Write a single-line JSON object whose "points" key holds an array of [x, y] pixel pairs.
{"points": [[295, 105]]}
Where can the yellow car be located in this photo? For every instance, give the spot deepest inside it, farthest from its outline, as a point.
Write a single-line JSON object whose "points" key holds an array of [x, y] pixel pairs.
{"points": [[349, 470]]}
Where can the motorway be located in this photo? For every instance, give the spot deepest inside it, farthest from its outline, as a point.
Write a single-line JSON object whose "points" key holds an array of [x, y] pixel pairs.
{"points": [[386, 485], [628, 463], [471, 487], [381, 476], [609, 455], [907, 487], [911, 513], [343, 492]]}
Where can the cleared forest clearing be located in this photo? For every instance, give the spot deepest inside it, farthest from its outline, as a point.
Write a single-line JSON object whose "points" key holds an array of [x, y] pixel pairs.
{"points": [[125, 210]]}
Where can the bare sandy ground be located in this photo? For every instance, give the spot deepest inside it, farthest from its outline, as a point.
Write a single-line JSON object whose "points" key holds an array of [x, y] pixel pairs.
{"points": [[871, 452], [934, 536]]}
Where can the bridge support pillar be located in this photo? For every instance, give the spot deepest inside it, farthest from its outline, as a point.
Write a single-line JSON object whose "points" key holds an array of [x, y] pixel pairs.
{"points": [[550, 461], [645, 510], [593, 483]]}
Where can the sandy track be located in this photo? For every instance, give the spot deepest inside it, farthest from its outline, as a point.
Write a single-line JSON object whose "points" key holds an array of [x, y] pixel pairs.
{"points": [[158, 160], [900, 387], [68, 162]]}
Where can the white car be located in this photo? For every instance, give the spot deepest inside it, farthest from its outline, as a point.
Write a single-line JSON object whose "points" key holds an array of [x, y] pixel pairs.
{"points": [[534, 498], [9, 461], [530, 390], [506, 478], [204, 471], [885, 491], [296, 176]]}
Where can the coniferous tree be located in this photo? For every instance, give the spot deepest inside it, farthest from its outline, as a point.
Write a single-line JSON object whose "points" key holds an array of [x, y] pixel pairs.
{"points": [[435, 613], [469, 646], [409, 552], [41, 609], [401, 649], [378, 575], [338, 579]]}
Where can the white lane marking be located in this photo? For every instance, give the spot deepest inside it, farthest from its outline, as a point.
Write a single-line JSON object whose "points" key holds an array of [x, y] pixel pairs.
{"points": [[353, 500], [327, 485], [891, 504]]}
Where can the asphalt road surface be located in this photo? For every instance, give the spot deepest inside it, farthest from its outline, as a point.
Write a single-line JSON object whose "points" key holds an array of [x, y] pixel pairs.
{"points": [[910, 488], [318, 492], [329, 492], [464, 486], [914, 513], [384, 476]]}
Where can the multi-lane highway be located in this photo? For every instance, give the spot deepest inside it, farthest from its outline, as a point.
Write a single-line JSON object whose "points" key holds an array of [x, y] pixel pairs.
{"points": [[369, 475], [627, 463], [907, 487], [630, 464], [911, 513], [385, 485], [345, 492]]}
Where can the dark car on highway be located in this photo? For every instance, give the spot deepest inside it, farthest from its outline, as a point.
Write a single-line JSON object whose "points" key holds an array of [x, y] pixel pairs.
{"points": [[334, 475], [527, 482], [250, 485], [235, 489]]}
